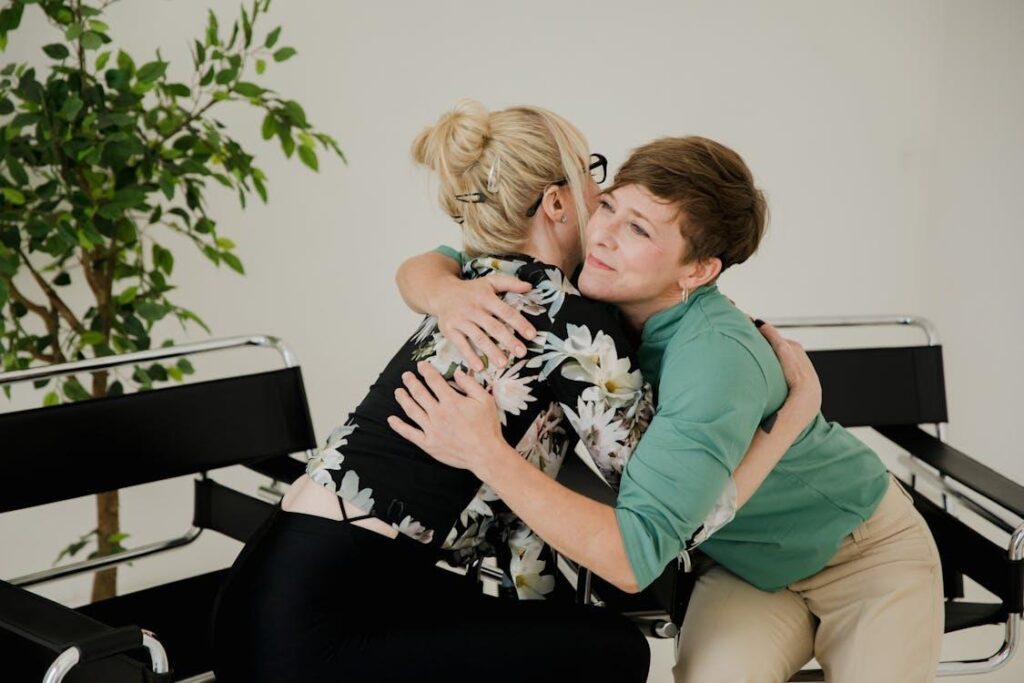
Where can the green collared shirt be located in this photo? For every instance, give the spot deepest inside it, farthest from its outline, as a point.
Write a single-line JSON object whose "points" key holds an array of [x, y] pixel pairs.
{"points": [[717, 379]]}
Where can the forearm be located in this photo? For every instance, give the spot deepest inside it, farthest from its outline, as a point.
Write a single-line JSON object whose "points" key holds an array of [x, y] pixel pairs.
{"points": [[583, 530], [765, 451], [421, 276]]}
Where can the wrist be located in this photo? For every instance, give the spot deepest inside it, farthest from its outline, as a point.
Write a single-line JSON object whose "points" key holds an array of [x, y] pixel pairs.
{"points": [[795, 414], [437, 293], [494, 466]]}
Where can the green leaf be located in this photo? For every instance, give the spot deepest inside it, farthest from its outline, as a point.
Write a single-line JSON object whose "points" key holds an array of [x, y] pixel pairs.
{"points": [[296, 112], [127, 296], [208, 77], [268, 127], [62, 279], [56, 51], [308, 157], [70, 110], [247, 89], [175, 374], [4, 294], [73, 31], [17, 171], [51, 399], [92, 338], [226, 75], [177, 90], [97, 25], [284, 53], [185, 366], [233, 262], [151, 71], [12, 195], [212, 29], [225, 243], [212, 254], [91, 40], [150, 311], [204, 225], [272, 38], [261, 66], [74, 391], [102, 59], [118, 79]]}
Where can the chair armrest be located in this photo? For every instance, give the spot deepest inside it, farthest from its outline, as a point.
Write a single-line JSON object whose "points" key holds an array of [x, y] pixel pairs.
{"points": [[959, 466], [58, 628]]}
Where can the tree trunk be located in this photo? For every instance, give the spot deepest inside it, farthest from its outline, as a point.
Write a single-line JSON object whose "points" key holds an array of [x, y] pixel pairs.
{"points": [[104, 583], [108, 519]]}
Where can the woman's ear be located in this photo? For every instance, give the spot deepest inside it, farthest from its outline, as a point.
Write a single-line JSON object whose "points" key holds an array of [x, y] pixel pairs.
{"points": [[700, 272], [552, 204]]}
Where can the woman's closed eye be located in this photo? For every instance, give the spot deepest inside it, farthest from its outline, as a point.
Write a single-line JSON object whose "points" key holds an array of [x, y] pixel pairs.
{"points": [[637, 230]]}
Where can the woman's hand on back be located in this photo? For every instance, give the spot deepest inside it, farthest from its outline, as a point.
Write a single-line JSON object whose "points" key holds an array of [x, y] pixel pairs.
{"points": [[471, 313], [804, 386]]}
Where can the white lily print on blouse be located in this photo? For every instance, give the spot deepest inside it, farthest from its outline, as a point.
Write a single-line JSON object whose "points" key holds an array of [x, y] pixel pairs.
{"points": [[425, 329], [484, 265], [350, 491], [511, 392], [527, 569], [329, 458], [589, 358], [413, 529]]}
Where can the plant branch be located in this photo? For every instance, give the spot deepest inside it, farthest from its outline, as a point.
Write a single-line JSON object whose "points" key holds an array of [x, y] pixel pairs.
{"points": [[55, 301], [38, 309]]}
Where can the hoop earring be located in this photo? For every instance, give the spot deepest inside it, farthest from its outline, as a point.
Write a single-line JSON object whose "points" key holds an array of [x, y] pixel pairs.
{"points": [[686, 295]]}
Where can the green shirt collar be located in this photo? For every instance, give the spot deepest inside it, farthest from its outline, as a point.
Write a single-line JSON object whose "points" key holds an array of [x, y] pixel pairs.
{"points": [[662, 325]]}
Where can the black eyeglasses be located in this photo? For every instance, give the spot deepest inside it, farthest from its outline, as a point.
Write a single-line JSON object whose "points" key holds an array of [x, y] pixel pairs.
{"points": [[598, 171]]}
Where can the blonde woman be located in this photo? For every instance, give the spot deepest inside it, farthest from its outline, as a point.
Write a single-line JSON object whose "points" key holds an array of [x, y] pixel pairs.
{"points": [[341, 584]]}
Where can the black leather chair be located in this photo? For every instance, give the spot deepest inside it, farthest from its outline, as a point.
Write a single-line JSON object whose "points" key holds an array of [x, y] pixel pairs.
{"points": [[255, 420]]}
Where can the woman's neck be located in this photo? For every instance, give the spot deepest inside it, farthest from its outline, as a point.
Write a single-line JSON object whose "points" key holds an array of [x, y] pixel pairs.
{"points": [[551, 253], [637, 313]]}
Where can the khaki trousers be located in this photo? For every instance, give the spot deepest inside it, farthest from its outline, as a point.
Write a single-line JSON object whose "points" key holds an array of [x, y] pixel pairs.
{"points": [[874, 614]]}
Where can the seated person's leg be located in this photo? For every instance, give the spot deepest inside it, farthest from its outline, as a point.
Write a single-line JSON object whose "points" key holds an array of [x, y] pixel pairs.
{"points": [[735, 633]]}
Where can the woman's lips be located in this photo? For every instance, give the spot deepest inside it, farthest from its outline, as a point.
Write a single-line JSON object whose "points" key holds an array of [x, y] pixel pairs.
{"points": [[598, 263]]}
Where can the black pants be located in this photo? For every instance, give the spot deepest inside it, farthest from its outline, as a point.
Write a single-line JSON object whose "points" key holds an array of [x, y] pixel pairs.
{"points": [[312, 599]]}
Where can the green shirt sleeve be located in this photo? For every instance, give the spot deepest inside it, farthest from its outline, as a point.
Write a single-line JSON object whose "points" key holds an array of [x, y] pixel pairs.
{"points": [[712, 396], [451, 253]]}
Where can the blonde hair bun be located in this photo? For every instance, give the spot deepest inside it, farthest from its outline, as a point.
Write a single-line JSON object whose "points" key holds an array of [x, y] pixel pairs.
{"points": [[456, 142]]}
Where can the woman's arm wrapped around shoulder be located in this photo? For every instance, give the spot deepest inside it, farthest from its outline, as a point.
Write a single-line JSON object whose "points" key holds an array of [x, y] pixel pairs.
{"points": [[472, 312]]}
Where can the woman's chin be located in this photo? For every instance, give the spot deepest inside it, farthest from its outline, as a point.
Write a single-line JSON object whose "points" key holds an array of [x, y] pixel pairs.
{"points": [[594, 285]]}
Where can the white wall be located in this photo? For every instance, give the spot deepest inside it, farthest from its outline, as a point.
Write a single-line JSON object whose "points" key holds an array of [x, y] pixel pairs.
{"points": [[887, 134]]}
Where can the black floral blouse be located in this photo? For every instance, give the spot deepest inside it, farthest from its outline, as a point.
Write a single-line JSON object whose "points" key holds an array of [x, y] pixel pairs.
{"points": [[578, 388]]}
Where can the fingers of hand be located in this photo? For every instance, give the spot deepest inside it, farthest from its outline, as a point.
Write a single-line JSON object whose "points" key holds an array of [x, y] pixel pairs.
{"points": [[437, 383], [456, 337], [469, 385], [411, 407], [513, 318], [507, 283], [501, 333], [487, 346], [407, 432], [419, 391]]}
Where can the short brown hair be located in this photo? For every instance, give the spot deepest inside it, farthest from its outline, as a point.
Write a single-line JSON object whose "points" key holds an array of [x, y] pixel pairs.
{"points": [[722, 213]]}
